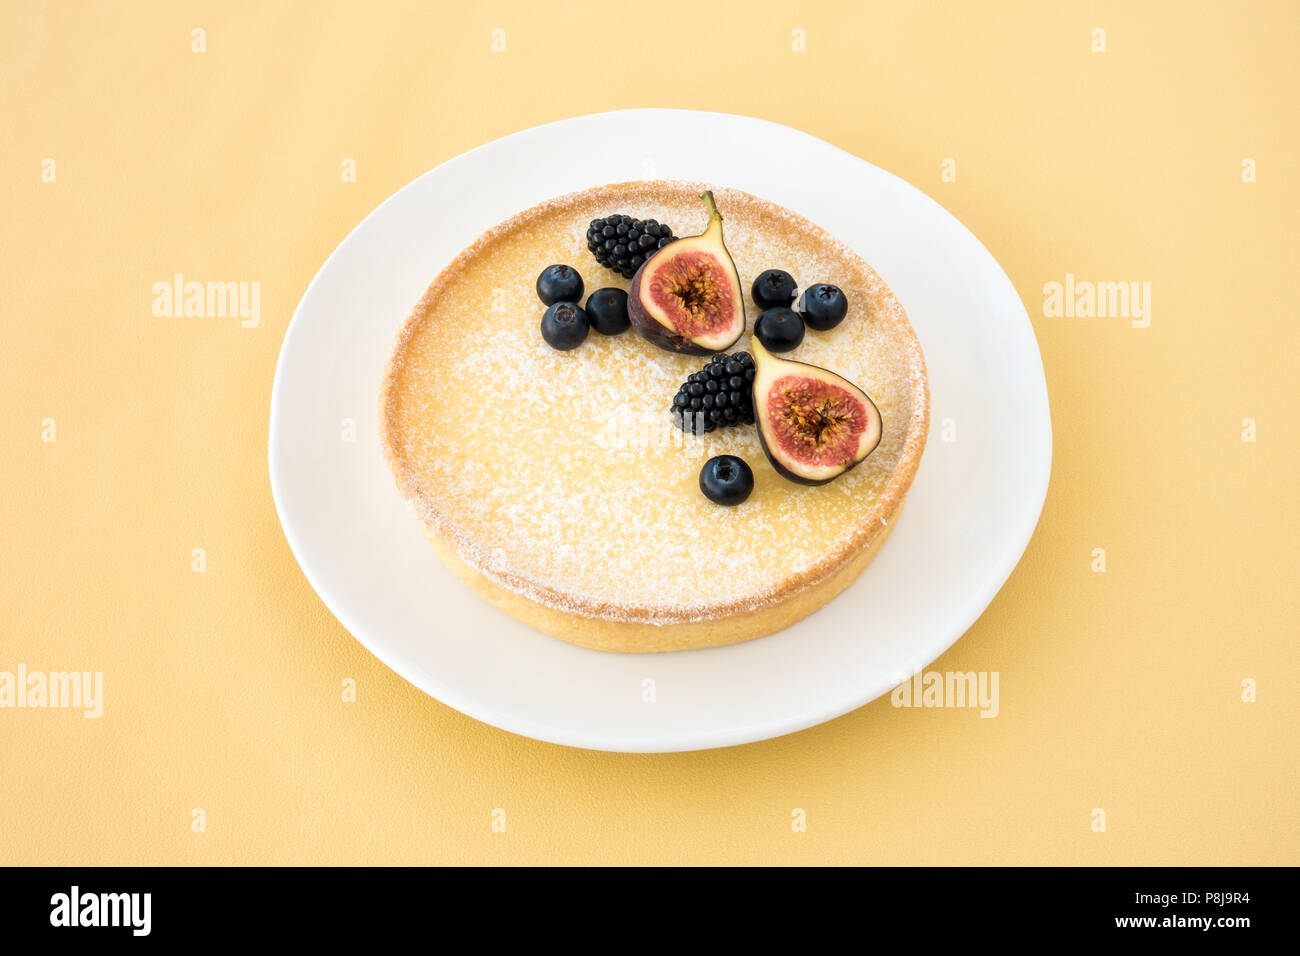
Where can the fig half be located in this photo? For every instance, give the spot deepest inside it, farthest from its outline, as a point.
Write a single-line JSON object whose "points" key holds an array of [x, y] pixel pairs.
{"points": [[814, 425], [687, 296]]}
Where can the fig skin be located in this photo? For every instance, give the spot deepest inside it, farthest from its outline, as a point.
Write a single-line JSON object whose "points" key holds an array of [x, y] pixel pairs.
{"points": [[765, 360], [645, 325], [711, 242], [785, 472]]}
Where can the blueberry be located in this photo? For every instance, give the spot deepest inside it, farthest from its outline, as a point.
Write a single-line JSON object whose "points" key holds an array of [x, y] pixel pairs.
{"points": [[726, 479], [779, 329], [823, 306], [607, 311], [564, 326], [774, 287], [559, 284]]}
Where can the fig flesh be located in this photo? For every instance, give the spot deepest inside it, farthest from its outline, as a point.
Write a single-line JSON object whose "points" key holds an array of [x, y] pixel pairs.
{"points": [[687, 296], [813, 425]]}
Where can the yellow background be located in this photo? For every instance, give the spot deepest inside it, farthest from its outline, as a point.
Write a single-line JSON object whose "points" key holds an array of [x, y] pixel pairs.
{"points": [[1119, 690]]}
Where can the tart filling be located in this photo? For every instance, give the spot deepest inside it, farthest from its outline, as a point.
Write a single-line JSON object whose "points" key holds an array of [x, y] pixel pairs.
{"points": [[568, 476]]}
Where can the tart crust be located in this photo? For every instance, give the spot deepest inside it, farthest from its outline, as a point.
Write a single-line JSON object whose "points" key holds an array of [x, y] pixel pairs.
{"points": [[476, 298]]}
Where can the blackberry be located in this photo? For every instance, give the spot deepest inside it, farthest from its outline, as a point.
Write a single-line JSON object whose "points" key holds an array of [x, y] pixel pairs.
{"points": [[622, 243], [717, 396]]}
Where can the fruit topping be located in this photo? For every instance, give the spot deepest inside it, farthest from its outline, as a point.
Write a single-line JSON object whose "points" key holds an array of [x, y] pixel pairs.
{"points": [[774, 287], [564, 326], [779, 329], [716, 396], [622, 243], [726, 479], [559, 284], [823, 306], [607, 311], [813, 425], [687, 298]]}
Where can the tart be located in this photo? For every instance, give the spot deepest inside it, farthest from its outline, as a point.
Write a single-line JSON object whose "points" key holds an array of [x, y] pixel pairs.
{"points": [[555, 484]]}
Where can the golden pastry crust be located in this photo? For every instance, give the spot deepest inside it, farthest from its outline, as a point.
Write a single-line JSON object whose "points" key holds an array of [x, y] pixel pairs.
{"points": [[593, 612]]}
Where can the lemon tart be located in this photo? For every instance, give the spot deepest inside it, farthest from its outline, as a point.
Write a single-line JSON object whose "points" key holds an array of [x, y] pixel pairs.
{"points": [[554, 483]]}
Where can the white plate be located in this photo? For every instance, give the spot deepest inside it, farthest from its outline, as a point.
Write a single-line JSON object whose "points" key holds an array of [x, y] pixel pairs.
{"points": [[968, 518]]}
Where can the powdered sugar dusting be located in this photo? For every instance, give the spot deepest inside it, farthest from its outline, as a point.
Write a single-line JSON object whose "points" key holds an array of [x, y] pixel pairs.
{"points": [[560, 475]]}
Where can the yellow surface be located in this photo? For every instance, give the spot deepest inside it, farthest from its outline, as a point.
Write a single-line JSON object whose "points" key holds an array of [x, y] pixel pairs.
{"points": [[1119, 690]]}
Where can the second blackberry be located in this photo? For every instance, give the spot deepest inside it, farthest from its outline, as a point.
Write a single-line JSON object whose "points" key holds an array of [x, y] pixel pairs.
{"points": [[716, 396]]}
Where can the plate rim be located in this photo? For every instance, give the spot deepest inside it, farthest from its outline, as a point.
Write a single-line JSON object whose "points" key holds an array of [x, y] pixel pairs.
{"points": [[975, 603]]}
